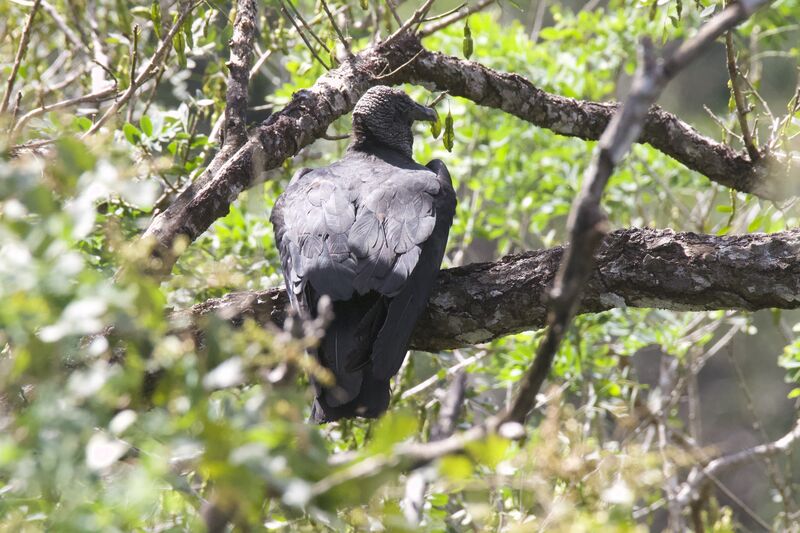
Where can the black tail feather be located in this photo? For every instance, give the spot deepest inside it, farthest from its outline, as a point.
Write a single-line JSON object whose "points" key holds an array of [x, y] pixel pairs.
{"points": [[371, 402]]}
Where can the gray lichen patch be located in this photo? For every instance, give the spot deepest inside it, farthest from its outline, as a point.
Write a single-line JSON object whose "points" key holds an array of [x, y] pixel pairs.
{"points": [[475, 337]]}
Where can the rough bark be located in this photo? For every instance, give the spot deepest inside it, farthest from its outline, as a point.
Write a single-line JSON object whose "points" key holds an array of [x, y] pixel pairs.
{"points": [[312, 110], [282, 135], [635, 268], [241, 44], [587, 120]]}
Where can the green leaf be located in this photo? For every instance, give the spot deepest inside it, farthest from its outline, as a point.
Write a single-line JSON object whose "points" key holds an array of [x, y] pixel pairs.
{"points": [[490, 451], [179, 43], [456, 467], [449, 135], [794, 393], [436, 127], [364, 4], [187, 32], [155, 16], [147, 125], [467, 45], [83, 123], [131, 132]]}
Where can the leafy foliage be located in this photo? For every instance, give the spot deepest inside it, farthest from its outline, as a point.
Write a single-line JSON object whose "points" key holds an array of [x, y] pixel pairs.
{"points": [[114, 417]]}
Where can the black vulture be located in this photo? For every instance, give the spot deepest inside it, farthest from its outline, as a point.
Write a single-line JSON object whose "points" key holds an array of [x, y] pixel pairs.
{"points": [[368, 231]]}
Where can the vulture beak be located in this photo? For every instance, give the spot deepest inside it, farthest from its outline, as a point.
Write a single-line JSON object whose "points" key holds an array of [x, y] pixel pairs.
{"points": [[424, 113]]}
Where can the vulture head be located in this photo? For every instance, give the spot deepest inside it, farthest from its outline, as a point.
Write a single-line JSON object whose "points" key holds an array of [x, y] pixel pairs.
{"points": [[383, 116]]}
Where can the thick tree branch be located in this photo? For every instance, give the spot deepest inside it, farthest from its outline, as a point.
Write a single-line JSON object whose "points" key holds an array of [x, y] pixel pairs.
{"points": [[302, 121], [244, 30], [308, 115], [587, 120], [588, 224], [587, 221], [634, 268]]}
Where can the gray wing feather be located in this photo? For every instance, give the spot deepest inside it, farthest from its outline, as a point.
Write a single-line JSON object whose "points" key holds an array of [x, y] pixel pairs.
{"points": [[358, 228], [406, 307]]}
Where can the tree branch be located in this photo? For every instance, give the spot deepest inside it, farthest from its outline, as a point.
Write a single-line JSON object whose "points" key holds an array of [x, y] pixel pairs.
{"points": [[308, 115], [151, 67], [698, 476], [244, 29], [586, 120], [634, 268], [588, 224], [282, 135], [21, 49], [739, 99], [454, 17]]}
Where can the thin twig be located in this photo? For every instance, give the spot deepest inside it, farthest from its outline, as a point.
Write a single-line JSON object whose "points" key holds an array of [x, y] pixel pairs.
{"points": [[336, 28], [439, 98], [105, 94], [667, 383], [150, 68], [134, 53], [541, 7], [70, 78], [306, 25], [417, 17], [741, 106], [393, 11], [445, 14], [721, 124], [21, 49], [328, 137], [99, 56], [416, 389], [773, 471], [587, 222], [303, 37], [398, 69], [71, 36], [455, 17], [699, 475]]}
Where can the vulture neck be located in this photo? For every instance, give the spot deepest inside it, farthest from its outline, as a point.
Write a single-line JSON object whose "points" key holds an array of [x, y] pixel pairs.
{"points": [[367, 142]]}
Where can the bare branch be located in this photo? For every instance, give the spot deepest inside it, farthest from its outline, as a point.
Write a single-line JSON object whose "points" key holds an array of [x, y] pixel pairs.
{"points": [[100, 58], [241, 44], [150, 69], [416, 18], [393, 11], [71, 36], [104, 94], [449, 19], [336, 28], [587, 222], [698, 476], [738, 97], [634, 268], [21, 49], [588, 225], [303, 36]]}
